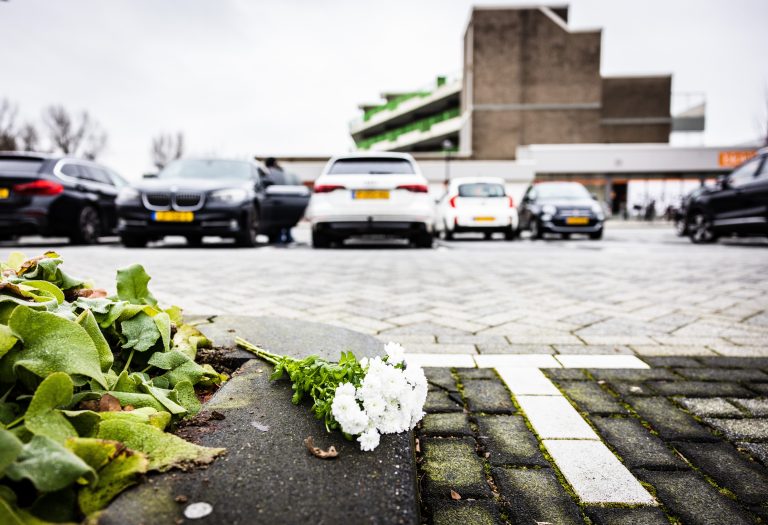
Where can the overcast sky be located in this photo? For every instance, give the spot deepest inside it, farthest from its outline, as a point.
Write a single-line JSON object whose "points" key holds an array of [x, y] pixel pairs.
{"points": [[281, 77]]}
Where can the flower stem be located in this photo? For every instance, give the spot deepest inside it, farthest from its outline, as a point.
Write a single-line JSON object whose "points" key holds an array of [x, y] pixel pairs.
{"points": [[260, 352]]}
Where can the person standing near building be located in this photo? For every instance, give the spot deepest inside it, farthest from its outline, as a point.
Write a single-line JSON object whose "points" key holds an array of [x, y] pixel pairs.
{"points": [[274, 175]]}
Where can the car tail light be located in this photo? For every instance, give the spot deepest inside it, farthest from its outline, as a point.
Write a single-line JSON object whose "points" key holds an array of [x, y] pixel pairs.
{"points": [[511, 202], [39, 187], [415, 188], [327, 188], [452, 202]]}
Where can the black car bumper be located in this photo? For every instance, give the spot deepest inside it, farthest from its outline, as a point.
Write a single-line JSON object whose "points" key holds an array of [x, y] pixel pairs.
{"points": [[383, 228], [227, 222], [560, 225], [24, 221]]}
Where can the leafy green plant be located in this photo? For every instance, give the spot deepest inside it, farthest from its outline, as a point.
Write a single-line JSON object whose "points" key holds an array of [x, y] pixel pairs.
{"points": [[89, 383]]}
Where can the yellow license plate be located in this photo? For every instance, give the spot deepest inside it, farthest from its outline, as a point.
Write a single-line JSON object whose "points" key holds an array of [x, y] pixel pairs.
{"points": [[577, 220], [484, 219], [371, 194], [4, 193], [174, 216]]}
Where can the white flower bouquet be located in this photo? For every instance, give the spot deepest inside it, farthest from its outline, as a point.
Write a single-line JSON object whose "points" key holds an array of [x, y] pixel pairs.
{"points": [[363, 398]]}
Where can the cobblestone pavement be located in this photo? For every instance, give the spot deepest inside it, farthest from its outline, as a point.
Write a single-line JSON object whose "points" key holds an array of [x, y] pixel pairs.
{"points": [[641, 291], [694, 430]]}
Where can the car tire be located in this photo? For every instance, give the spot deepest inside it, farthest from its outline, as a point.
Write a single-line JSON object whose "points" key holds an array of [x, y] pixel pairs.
{"points": [[681, 226], [488, 236], [134, 241], [565, 236], [423, 240], [195, 240], [536, 231], [595, 236], [320, 240], [249, 230], [87, 226], [700, 230], [274, 238], [511, 234], [448, 235]]}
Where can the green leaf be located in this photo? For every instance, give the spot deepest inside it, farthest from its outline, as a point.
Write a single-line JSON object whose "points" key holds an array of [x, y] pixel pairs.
{"points": [[132, 285], [98, 305], [164, 451], [10, 448], [184, 394], [188, 339], [86, 422], [49, 288], [7, 514], [163, 323], [140, 331], [52, 344], [48, 465], [174, 312], [47, 269], [137, 400], [88, 322], [7, 340], [162, 395], [43, 416], [119, 473]]}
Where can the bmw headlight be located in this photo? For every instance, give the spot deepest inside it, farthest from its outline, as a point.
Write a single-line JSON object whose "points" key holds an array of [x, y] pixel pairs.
{"points": [[127, 194], [229, 196], [548, 209]]}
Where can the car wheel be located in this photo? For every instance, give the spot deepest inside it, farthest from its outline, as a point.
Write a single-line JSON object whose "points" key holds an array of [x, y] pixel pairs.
{"points": [[274, 238], [423, 240], [195, 240], [700, 230], [320, 240], [88, 227], [249, 230], [536, 231], [566, 236], [681, 227], [596, 235], [511, 234], [133, 241], [488, 236]]}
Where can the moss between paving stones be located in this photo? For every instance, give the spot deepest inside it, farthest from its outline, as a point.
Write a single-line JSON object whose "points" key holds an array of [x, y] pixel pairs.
{"points": [[758, 451], [671, 423], [699, 389], [536, 495], [464, 513], [442, 401], [635, 444], [446, 424], [590, 398], [565, 374], [705, 407], [453, 464], [487, 396], [509, 441], [729, 469], [689, 497], [722, 374], [741, 429], [477, 373], [631, 388], [636, 516], [756, 407], [442, 378]]}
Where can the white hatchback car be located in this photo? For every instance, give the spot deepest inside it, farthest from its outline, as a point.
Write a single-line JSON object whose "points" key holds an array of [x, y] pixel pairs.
{"points": [[372, 194], [476, 204]]}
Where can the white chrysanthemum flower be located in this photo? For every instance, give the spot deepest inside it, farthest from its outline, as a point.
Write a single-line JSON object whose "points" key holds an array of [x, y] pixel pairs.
{"points": [[369, 439], [364, 363], [345, 390], [395, 353], [374, 406]]}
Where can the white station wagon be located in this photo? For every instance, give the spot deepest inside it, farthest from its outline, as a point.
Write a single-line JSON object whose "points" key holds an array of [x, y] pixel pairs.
{"points": [[372, 194], [476, 204]]}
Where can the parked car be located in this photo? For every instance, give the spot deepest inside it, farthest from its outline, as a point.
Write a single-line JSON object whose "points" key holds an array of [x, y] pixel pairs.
{"points": [[198, 197], [737, 206], [680, 214], [54, 195], [476, 204], [561, 207], [382, 194]]}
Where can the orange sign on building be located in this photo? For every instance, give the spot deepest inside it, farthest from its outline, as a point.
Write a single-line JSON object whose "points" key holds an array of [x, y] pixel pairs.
{"points": [[731, 159]]}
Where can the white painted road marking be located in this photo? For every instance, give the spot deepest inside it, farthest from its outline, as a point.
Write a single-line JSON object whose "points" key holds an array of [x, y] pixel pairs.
{"points": [[593, 471]]}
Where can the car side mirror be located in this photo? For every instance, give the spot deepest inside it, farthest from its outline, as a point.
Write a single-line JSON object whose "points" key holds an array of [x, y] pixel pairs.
{"points": [[594, 196], [723, 182], [149, 176]]}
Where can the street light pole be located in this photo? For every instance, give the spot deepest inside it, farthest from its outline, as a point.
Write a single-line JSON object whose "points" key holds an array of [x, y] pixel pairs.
{"points": [[447, 147]]}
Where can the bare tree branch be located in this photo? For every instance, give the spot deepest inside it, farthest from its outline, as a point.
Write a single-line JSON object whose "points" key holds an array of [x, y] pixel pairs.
{"points": [[72, 136], [28, 138], [166, 147], [8, 113]]}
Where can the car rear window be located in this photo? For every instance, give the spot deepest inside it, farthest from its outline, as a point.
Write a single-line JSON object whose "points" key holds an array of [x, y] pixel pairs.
{"points": [[369, 166], [20, 166], [481, 189]]}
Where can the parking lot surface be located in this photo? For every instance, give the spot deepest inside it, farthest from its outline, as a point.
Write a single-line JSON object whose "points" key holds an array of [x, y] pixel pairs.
{"points": [[640, 291]]}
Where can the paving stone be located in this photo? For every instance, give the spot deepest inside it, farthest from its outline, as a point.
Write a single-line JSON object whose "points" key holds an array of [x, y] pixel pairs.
{"points": [[636, 445], [509, 441], [648, 374], [453, 464], [723, 374], [506, 348], [658, 350], [536, 496], [670, 422], [441, 377], [591, 398], [730, 469], [595, 473], [636, 516], [446, 424], [473, 339], [442, 401], [487, 396], [741, 429], [690, 498], [601, 361], [527, 381], [758, 451], [477, 373], [593, 349], [553, 417], [710, 407], [760, 388], [440, 360], [464, 513], [699, 389], [518, 361], [757, 407], [565, 374], [736, 362], [687, 362], [436, 348], [634, 388]]}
